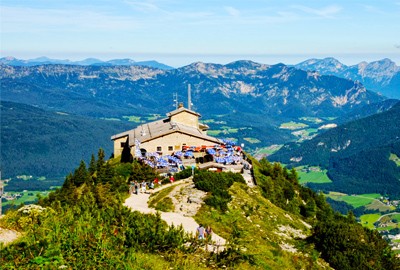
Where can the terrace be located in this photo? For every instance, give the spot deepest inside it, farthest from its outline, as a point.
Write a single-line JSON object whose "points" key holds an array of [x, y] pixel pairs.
{"points": [[225, 156]]}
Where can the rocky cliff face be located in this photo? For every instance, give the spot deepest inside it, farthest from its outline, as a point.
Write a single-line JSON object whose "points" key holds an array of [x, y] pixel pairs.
{"points": [[380, 76], [239, 86]]}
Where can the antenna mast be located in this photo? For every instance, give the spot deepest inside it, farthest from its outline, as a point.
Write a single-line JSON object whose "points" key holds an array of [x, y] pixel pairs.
{"points": [[189, 98], [175, 97]]}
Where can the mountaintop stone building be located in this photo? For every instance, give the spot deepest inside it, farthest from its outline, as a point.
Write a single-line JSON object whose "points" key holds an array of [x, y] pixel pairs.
{"points": [[180, 130]]}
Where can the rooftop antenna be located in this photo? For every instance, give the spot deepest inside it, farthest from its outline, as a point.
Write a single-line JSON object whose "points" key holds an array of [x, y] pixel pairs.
{"points": [[175, 96], [189, 98]]}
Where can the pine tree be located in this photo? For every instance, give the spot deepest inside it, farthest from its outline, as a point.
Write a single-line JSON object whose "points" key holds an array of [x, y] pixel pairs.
{"points": [[105, 174], [80, 175], [92, 165], [100, 159]]}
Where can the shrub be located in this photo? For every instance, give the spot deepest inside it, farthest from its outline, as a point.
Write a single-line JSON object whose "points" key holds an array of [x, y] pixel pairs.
{"points": [[217, 184], [165, 205]]}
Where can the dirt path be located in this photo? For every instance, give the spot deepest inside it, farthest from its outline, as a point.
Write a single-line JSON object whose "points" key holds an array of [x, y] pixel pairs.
{"points": [[180, 216]]}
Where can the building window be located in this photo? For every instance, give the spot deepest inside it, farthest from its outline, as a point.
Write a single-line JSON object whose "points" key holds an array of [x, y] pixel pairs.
{"points": [[122, 144], [170, 148], [159, 148]]}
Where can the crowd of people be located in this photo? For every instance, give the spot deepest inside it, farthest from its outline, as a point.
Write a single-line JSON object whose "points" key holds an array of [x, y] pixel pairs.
{"points": [[143, 187], [136, 187], [225, 153]]}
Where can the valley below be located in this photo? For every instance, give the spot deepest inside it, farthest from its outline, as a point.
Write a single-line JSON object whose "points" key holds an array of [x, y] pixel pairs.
{"points": [[341, 138]]}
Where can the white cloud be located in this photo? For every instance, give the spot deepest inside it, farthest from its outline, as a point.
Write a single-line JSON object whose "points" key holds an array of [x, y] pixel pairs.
{"points": [[143, 6], [326, 12], [232, 11], [23, 20]]}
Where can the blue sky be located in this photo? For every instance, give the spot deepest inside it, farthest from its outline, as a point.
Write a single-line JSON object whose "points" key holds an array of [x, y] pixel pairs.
{"points": [[178, 33]]}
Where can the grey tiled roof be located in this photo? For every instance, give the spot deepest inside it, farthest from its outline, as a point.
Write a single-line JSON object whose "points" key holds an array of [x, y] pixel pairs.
{"points": [[153, 130]]}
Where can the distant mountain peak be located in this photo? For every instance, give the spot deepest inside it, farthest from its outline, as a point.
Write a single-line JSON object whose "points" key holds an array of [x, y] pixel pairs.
{"points": [[328, 64], [12, 61], [40, 59], [9, 58], [247, 64], [382, 76]]}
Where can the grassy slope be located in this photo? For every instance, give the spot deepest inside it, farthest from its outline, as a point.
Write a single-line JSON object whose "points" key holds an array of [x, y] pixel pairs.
{"points": [[317, 177], [256, 222], [355, 200], [368, 220]]}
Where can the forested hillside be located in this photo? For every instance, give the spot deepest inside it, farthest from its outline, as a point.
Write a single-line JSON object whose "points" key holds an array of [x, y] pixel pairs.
{"points": [[84, 225], [41, 143], [357, 154]]}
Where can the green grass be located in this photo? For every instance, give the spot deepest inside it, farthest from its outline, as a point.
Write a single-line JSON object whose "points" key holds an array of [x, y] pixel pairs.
{"points": [[208, 121], [395, 159], [165, 205], [214, 132], [161, 201], [353, 200], [381, 207], [25, 197], [269, 150], [132, 118], [252, 140], [371, 195], [368, 220], [357, 201], [153, 117], [311, 130], [386, 228], [319, 176], [304, 133], [292, 125], [224, 130], [246, 217]]}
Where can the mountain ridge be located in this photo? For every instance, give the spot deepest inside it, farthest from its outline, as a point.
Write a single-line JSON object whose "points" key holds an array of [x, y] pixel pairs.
{"points": [[381, 76], [43, 60], [277, 88]]}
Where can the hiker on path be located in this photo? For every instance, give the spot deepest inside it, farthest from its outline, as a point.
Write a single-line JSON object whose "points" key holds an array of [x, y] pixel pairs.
{"points": [[143, 187], [201, 232], [136, 187], [132, 187]]}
